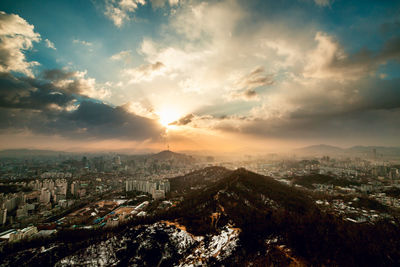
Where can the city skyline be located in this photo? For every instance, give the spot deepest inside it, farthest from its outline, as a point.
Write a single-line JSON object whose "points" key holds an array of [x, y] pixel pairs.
{"points": [[223, 76]]}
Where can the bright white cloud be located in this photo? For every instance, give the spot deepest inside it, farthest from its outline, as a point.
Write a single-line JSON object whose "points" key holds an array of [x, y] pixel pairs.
{"points": [[141, 109], [82, 42], [162, 3], [329, 61], [119, 11], [16, 36], [145, 72], [207, 20], [122, 56], [76, 82], [276, 74], [50, 44], [223, 65]]}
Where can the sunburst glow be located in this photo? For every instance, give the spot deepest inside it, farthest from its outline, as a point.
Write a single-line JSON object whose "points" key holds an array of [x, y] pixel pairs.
{"points": [[168, 116]]}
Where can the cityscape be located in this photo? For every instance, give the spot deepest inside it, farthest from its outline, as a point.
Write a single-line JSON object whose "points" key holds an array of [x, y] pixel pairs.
{"points": [[44, 194], [199, 133]]}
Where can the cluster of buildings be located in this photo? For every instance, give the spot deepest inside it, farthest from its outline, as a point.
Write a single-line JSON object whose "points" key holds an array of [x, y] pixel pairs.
{"points": [[13, 235], [49, 188], [77, 189], [157, 188], [350, 212], [9, 203], [56, 174], [43, 193], [123, 213], [383, 171], [103, 213], [90, 213]]}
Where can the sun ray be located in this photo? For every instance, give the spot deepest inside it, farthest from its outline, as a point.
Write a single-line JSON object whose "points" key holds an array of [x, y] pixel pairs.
{"points": [[168, 116]]}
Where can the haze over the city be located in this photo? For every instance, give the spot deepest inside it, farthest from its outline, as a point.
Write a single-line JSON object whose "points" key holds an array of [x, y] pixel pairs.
{"points": [[226, 76]]}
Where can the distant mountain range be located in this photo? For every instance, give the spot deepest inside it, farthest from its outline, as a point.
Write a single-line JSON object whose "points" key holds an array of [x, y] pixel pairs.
{"points": [[323, 149], [30, 153], [167, 155], [162, 156]]}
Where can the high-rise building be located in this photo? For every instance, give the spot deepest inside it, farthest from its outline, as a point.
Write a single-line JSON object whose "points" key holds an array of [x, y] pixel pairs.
{"points": [[156, 188], [3, 216], [45, 196], [117, 160], [75, 188]]}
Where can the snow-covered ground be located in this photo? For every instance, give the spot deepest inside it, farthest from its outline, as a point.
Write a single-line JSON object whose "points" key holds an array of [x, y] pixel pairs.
{"points": [[219, 247], [159, 242]]}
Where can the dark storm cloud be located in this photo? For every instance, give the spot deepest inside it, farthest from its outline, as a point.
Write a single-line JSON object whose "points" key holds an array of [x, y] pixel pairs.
{"points": [[367, 108], [366, 60], [390, 27], [248, 83], [57, 74], [184, 120], [70, 82], [391, 49], [42, 107], [102, 120], [250, 93], [29, 93], [367, 124], [380, 94], [256, 78], [367, 94]]}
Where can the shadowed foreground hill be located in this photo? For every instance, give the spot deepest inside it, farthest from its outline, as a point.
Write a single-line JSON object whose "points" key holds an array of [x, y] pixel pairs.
{"points": [[265, 209], [198, 179]]}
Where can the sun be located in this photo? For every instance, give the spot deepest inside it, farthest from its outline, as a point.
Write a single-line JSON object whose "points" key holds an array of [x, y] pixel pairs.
{"points": [[168, 116]]}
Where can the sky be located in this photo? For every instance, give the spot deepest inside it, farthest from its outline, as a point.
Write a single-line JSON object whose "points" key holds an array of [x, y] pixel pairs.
{"points": [[230, 75]]}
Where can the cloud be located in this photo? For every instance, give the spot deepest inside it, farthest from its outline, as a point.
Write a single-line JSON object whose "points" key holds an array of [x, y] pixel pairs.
{"points": [[300, 76], [75, 82], [246, 85], [58, 102], [163, 3], [247, 95], [197, 64], [356, 112], [16, 36], [82, 42], [390, 27], [48, 106], [323, 3], [184, 120], [255, 78], [355, 127], [119, 11], [122, 56], [50, 44], [207, 20], [54, 88], [30, 93], [145, 72], [307, 83], [141, 108], [391, 49], [329, 60], [102, 120]]}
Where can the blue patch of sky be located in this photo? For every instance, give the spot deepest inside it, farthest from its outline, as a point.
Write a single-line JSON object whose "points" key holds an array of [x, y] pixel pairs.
{"points": [[391, 70], [355, 24], [64, 21]]}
